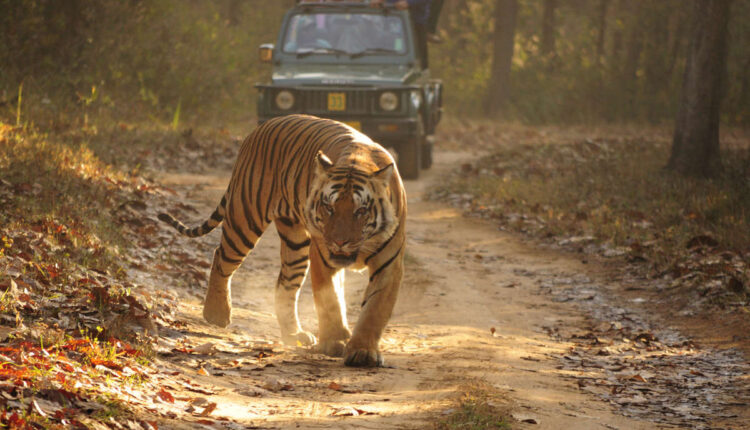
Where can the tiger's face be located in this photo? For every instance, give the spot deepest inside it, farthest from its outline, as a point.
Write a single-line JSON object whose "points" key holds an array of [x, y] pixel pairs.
{"points": [[346, 208]]}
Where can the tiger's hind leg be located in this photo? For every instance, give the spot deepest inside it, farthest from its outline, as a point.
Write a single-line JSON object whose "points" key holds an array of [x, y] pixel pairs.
{"points": [[234, 247], [295, 250], [328, 292]]}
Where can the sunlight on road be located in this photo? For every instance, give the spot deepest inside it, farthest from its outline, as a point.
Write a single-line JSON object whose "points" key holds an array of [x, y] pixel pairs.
{"points": [[439, 214]]}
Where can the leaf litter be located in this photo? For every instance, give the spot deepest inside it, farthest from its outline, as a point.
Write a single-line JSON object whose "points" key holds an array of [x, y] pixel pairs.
{"points": [[79, 338], [646, 371]]}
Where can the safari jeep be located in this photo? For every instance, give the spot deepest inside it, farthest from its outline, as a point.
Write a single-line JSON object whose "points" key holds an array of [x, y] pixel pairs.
{"points": [[359, 65]]}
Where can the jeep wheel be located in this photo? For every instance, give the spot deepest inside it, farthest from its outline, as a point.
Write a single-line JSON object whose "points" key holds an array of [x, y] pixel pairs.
{"points": [[409, 159]]}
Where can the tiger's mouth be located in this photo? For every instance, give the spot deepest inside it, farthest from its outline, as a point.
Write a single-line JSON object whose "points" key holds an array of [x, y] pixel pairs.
{"points": [[343, 259]]}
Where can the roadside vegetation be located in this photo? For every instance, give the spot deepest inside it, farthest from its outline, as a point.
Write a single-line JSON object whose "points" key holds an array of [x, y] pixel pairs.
{"points": [[72, 331], [77, 325], [604, 191]]}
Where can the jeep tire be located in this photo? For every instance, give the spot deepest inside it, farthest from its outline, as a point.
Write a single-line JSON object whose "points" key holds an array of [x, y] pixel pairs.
{"points": [[427, 146], [409, 159]]}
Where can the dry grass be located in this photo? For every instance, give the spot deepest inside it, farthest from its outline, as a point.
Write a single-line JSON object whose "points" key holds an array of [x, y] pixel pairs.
{"points": [[60, 189], [617, 192], [476, 410]]}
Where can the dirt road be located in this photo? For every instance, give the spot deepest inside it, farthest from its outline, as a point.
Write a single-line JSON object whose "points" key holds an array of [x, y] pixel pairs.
{"points": [[475, 313]]}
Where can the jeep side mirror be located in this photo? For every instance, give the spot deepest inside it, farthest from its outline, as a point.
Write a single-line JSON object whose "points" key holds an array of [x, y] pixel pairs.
{"points": [[265, 52]]}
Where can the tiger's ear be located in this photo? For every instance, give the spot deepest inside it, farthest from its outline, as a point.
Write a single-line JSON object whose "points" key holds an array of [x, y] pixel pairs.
{"points": [[322, 162], [384, 174]]}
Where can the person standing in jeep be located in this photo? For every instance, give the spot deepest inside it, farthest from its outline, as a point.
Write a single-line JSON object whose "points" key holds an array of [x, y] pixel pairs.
{"points": [[420, 15]]}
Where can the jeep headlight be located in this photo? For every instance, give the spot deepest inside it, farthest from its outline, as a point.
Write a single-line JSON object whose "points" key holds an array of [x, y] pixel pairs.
{"points": [[284, 100], [388, 101]]}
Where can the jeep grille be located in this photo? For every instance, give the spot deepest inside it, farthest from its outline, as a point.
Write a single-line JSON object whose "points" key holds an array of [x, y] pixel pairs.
{"points": [[316, 101]]}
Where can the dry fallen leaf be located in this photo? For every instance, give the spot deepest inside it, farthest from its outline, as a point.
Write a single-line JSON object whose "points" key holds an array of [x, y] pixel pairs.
{"points": [[165, 395], [34, 407], [199, 401], [334, 386], [150, 425], [349, 411], [276, 385], [196, 388], [209, 408], [207, 348], [337, 387]]}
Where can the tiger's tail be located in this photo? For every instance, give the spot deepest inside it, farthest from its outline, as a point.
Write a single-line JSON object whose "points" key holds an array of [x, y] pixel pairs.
{"points": [[208, 225]]}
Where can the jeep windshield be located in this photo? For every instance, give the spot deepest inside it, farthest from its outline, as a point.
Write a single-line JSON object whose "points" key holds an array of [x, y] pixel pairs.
{"points": [[353, 34]]}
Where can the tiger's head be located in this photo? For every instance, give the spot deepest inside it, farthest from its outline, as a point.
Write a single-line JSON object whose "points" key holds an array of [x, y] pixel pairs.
{"points": [[346, 207]]}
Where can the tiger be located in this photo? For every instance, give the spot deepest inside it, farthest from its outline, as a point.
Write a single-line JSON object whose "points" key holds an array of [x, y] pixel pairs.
{"points": [[337, 201]]}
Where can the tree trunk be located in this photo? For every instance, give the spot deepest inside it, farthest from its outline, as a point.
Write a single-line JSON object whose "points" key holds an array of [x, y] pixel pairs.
{"points": [[631, 59], [602, 29], [744, 95], [548, 27], [695, 148], [618, 36], [634, 49], [498, 94], [232, 12], [677, 29]]}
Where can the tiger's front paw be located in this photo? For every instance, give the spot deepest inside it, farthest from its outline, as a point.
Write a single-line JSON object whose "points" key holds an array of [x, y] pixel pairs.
{"points": [[300, 338], [362, 357], [217, 312]]}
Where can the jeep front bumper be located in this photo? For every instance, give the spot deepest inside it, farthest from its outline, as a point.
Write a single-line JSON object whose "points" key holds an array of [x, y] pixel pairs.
{"points": [[386, 131], [356, 106]]}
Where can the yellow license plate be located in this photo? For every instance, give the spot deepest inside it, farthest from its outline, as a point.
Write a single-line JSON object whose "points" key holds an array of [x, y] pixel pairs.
{"points": [[354, 124], [336, 101]]}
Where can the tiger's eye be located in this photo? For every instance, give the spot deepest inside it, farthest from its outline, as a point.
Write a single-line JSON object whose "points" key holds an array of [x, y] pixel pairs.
{"points": [[361, 212]]}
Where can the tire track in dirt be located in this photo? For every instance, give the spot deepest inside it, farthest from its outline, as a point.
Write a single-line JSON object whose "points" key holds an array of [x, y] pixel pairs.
{"points": [[463, 278]]}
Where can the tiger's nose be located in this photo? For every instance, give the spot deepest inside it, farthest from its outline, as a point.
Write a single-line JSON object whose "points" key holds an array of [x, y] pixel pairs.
{"points": [[339, 242]]}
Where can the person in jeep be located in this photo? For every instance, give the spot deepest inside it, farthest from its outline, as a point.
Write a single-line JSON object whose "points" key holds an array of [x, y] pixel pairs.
{"points": [[350, 34], [420, 15]]}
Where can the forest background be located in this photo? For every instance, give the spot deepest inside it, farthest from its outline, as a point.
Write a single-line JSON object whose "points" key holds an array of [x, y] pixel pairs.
{"points": [[574, 61]]}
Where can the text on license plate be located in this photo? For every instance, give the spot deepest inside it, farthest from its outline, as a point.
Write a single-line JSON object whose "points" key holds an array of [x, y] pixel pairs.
{"points": [[336, 101]]}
